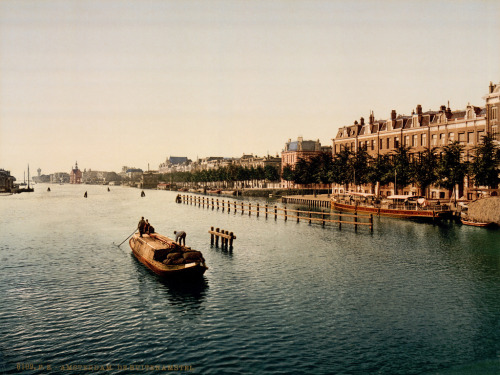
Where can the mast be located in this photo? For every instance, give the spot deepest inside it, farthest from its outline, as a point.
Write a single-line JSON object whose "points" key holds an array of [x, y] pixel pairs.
{"points": [[28, 176]]}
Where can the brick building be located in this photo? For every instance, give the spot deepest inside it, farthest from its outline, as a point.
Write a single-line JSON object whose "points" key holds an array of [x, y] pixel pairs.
{"points": [[423, 130], [75, 176], [299, 149]]}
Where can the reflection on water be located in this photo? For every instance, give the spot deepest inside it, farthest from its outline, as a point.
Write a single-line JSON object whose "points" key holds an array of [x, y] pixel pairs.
{"points": [[409, 298]]}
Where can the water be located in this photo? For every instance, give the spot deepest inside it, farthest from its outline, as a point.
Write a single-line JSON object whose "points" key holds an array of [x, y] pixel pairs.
{"points": [[289, 299]]}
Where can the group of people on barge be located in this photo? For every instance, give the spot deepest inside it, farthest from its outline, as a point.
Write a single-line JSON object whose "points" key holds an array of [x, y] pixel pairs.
{"points": [[146, 228]]}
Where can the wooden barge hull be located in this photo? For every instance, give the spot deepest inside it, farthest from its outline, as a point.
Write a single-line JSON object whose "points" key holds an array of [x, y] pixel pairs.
{"points": [[143, 249], [406, 214]]}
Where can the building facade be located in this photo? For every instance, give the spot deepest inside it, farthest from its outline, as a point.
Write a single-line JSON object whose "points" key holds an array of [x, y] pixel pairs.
{"points": [[75, 176], [421, 131], [296, 150]]}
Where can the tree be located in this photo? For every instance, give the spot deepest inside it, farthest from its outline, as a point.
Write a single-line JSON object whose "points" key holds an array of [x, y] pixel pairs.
{"points": [[271, 173], [425, 170], [342, 171], [401, 167], [451, 169], [360, 164], [485, 165], [380, 170], [287, 173]]}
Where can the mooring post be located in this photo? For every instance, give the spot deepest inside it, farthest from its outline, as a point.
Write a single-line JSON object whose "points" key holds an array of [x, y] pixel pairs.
{"points": [[340, 222], [371, 222], [355, 221], [217, 237], [203, 204], [213, 204], [234, 206], [217, 203], [285, 214], [257, 210], [323, 216], [231, 240], [249, 209], [298, 215], [226, 242], [211, 236], [266, 211], [242, 208], [223, 205], [310, 216], [275, 212]]}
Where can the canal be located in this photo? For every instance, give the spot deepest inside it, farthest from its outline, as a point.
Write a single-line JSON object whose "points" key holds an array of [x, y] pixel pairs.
{"points": [[291, 298]]}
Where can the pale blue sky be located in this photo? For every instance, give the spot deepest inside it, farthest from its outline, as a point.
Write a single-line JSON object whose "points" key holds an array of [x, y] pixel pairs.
{"points": [[111, 83]]}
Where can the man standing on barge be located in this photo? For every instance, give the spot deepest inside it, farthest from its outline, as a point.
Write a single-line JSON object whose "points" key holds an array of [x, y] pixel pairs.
{"points": [[141, 226]]}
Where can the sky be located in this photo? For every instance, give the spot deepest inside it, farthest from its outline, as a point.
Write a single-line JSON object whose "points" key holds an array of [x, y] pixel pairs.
{"points": [[112, 83]]}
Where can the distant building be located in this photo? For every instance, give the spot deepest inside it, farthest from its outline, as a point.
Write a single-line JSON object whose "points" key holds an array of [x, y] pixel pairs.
{"points": [[6, 181], [174, 164], [299, 149], [75, 176], [60, 178]]}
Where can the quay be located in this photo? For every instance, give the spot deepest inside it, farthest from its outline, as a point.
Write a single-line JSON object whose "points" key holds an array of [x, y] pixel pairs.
{"points": [[319, 200]]}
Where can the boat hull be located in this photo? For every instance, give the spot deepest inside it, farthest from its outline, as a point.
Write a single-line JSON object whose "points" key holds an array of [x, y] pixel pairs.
{"points": [[406, 214], [144, 249], [474, 223]]}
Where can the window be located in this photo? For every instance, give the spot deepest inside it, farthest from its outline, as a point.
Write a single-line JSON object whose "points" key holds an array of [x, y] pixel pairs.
{"points": [[407, 140], [442, 138], [434, 140], [451, 137], [480, 136], [396, 142], [414, 142], [388, 143], [494, 113], [373, 144], [470, 138], [461, 138], [423, 139], [381, 145]]}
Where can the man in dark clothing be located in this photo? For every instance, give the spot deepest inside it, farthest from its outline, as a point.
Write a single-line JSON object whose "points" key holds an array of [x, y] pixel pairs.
{"points": [[180, 237], [141, 226]]}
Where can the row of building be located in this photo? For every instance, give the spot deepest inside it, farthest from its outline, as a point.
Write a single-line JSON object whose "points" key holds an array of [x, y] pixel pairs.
{"points": [[420, 130]]}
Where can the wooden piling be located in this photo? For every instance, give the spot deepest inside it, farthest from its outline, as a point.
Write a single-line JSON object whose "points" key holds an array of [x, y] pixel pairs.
{"points": [[371, 223], [231, 240], [217, 238], [340, 222], [266, 211], [257, 210], [285, 213], [212, 236], [310, 216], [323, 217], [249, 209], [355, 221], [275, 213]]}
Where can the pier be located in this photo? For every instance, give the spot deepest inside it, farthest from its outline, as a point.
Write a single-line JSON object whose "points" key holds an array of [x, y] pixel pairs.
{"points": [[321, 217], [308, 200]]}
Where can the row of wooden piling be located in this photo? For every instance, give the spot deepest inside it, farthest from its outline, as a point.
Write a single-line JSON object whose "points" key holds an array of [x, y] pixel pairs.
{"points": [[319, 203], [225, 236], [322, 217]]}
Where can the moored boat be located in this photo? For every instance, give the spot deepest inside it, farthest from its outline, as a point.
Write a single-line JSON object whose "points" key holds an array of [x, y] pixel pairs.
{"points": [[166, 258], [407, 207], [474, 223]]}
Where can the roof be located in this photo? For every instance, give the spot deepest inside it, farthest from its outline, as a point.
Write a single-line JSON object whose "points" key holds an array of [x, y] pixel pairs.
{"points": [[177, 159]]}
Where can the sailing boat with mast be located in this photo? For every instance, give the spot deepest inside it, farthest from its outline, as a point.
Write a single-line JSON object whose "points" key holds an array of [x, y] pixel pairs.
{"points": [[27, 189]]}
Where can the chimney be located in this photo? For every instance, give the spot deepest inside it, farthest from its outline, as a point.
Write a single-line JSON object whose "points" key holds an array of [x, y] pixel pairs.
{"points": [[443, 108], [393, 115], [372, 118], [362, 121], [419, 109], [491, 87]]}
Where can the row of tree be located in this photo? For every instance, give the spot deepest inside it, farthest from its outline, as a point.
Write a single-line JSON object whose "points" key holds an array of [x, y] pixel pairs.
{"points": [[229, 173], [445, 167]]}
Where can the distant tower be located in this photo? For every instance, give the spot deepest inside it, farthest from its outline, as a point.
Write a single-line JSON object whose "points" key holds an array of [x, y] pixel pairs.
{"points": [[75, 177], [39, 171]]}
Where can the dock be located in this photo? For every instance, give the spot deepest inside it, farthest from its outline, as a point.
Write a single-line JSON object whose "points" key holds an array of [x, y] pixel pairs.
{"points": [[318, 201]]}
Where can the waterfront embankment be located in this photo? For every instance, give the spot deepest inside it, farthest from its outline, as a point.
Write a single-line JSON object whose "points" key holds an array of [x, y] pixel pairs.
{"points": [[485, 210]]}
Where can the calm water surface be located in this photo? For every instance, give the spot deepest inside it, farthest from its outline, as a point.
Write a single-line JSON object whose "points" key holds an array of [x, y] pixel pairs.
{"points": [[289, 299]]}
